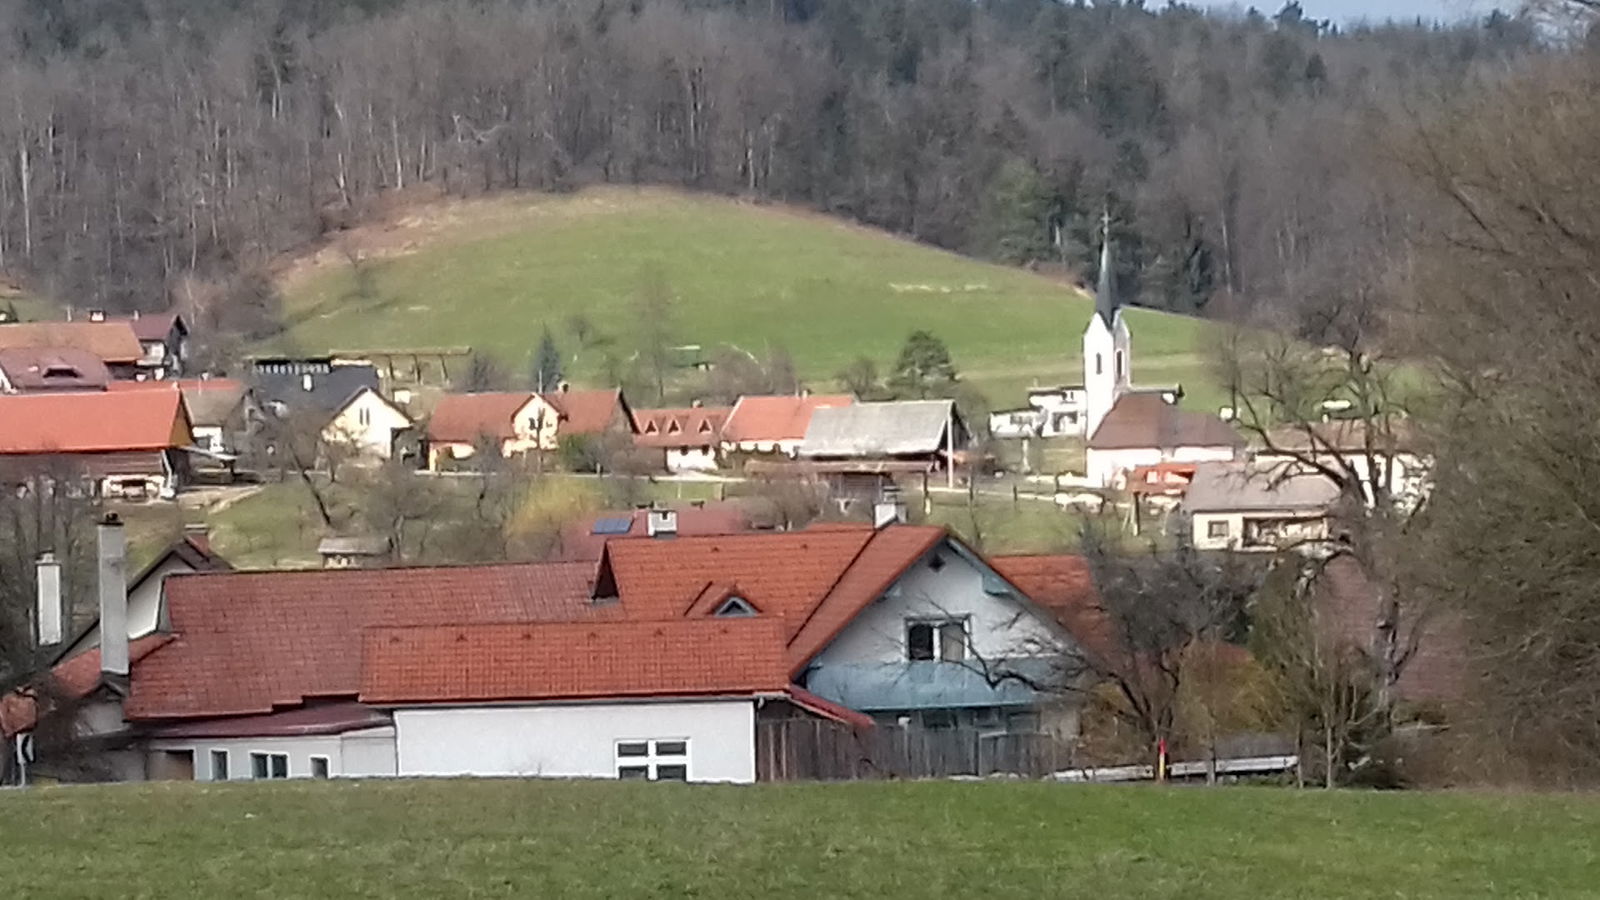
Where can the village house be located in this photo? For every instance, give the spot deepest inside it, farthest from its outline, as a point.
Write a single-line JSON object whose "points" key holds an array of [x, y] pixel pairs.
{"points": [[689, 439], [774, 425], [31, 370], [1143, 429], [1250, 507], [190, 553], [369, 427], [163, 341], [132, 445], [112, 342], [522, 422], [657, 663], [1391, 457]]}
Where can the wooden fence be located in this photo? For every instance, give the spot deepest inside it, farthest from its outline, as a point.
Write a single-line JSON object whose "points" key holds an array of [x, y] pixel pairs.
{"points": [[816, 750]]}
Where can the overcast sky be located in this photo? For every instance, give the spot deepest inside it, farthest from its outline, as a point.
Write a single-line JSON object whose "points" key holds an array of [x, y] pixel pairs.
{"points": [[1344, 11]]}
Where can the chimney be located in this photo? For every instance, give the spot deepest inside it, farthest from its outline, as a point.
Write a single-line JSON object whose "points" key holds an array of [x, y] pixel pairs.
{"points": [[113, 578], [198, 534], [890, 508], [49, 612], [661, 523], [97, 315], [305, 381]]}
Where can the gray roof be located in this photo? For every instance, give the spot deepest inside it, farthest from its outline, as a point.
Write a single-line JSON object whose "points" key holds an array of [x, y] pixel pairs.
{"points": [[900, 428], [212, 403], [1246, 487], [310, 385]]}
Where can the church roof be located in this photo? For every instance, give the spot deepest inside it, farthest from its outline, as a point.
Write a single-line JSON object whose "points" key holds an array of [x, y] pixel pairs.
{"points": [[1105, 294], [1139, 420]]}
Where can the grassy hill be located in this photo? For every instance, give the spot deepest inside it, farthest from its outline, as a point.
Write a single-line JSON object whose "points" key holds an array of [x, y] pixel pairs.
{"points": [[508, 838], [492, 273]]}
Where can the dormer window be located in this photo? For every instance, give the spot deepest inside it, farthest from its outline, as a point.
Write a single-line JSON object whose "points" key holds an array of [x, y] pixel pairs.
{"points": [[735, 606], [673, 427], [651, 428]]}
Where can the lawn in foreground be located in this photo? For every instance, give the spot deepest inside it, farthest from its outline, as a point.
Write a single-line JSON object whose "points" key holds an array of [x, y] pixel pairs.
{"points": [[930, 839]]}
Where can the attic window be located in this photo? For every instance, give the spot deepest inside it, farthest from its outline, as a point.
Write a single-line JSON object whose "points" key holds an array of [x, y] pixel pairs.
{"points": [[651, 428], [673, 427], [735, 606], [936, 562], [60, 371], [705, 427]]}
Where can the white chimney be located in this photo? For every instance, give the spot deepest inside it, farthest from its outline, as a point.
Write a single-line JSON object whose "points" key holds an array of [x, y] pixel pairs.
{"points": [[661, 523], [113, 579], [890, 508], [97, 315], [49, 612]]}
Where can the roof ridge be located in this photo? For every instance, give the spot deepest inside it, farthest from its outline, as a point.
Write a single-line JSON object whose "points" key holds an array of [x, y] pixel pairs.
{"points": [[834, 585]]}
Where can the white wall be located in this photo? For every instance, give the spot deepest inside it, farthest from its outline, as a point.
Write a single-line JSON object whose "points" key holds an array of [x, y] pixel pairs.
{"points": [[1109, 468], [574, 740], [1405, 474], [211, 438], [375, 437], [692, 459], [998, 626], [1200, 523], [368, 752]]}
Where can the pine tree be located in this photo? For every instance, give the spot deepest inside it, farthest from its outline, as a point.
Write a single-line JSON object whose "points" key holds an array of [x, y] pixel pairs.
{"points": [[547, 364]]}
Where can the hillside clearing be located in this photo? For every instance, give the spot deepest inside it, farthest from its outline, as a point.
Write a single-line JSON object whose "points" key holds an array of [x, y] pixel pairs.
{"points": [[910, 839], [492, 273]]}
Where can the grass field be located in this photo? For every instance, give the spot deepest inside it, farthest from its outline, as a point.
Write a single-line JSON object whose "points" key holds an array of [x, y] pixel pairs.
{"points": [[879, 840], [492, 273]]}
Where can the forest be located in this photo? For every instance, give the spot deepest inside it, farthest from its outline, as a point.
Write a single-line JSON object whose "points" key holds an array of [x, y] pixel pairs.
{"points": [[166, 150]]}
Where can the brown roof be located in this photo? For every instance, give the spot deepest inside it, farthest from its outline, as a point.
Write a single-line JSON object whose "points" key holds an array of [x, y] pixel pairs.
{"points": [[92, 422], [572, 661], [154, 326], [694, 426], [464, 418], [250, 642], [1349, 602], [588, 412], [1343, 436], [1139, 420], [54, 368], [776, 418], [210, 401], [113, 342]]}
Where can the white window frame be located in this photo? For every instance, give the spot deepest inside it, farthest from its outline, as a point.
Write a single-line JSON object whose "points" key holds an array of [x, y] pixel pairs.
{"points": [[652, 759], [327, 766], [227, 763], [269, 756], [938, 624]]}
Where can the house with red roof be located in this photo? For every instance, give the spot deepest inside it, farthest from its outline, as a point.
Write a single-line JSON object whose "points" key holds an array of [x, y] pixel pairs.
{"points": [[774, 424], [658, 662], [131, 445], [114, 343], [682, 440], [520, 422]]}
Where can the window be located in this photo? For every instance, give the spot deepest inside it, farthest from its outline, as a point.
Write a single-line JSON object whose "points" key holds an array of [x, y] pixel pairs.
{"points": [[219, 765], [1099, 364], [269, 765], [1217, 529], [364, 416], [941, 639], [319, 767], [653, 760], [1122, 364], [735, 606]]}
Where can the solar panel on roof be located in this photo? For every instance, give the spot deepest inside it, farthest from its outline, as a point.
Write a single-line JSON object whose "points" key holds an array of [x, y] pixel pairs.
{"points": [[619, 525]]}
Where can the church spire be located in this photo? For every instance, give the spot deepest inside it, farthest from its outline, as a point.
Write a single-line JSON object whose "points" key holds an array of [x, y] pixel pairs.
{"points": [[1105, 295]]}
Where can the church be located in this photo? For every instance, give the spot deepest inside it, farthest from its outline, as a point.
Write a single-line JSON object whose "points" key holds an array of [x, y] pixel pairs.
{"points": [[1125, 427]]}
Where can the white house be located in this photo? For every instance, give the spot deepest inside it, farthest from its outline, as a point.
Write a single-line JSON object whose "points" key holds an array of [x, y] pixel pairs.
{"points": [[368, 425], [1250, 507], [1144, 429], [190, 553], [689, 439], [1391, 459]]}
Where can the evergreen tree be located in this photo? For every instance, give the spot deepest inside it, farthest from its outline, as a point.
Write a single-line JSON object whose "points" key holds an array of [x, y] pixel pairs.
{"points": [[547, 364], [1016, 217], [924, 368]]}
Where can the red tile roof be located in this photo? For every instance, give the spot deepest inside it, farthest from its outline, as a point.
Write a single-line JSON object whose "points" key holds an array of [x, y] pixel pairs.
{"points": [[579, 540], [59, 368], [1349, 604], [815, 581], [71, 679], [573, 661], [1063, 585], [113, 342], [779, 418], [1140, 420], [588, 412], [695, 426], [464, 418], [248, 642], [92, 422]]}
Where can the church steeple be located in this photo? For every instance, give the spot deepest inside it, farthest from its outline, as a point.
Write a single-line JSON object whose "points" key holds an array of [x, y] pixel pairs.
{"points": [[1105, 294]]}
